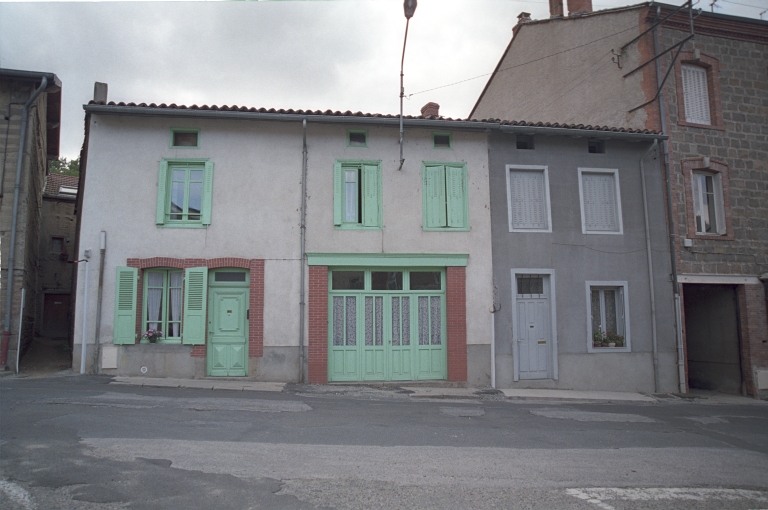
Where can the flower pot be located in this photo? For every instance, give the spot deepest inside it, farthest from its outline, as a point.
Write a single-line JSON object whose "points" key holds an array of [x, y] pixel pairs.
{"points": [[611, 344]]}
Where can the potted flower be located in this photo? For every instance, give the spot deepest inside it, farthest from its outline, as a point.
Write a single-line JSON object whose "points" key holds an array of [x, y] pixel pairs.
{"points": [[151, 335], [597, 339], [615, 339]]}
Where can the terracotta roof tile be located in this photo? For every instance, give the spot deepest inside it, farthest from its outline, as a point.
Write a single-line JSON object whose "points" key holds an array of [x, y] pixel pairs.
{"points": [[235, 108], [56, 181]]}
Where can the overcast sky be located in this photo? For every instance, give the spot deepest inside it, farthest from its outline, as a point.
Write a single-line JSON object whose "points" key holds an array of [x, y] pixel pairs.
{"points": [[318, 55]]}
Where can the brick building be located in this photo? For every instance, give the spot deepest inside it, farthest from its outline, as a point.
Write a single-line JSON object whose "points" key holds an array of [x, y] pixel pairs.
{"points": [[701, 79], [29, 136]]}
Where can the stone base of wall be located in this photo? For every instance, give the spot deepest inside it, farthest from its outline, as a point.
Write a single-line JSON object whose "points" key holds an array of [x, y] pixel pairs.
{"points": [[279, 364], [478, 365]]}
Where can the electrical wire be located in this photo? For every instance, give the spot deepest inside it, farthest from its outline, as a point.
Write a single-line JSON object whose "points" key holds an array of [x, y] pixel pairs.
{"points": [[743, 5], [524, 63]]}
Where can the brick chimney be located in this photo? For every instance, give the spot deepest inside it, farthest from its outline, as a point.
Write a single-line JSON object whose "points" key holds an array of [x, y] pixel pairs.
{"points": [[578, 6], [430, 110], [556, 8], [523, 17]]}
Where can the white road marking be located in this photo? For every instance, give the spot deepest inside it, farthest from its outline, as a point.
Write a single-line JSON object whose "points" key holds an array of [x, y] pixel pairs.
{"points": [[17, 494], [597, 496]]}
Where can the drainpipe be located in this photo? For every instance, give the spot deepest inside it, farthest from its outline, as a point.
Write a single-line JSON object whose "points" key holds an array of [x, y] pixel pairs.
{"points": [[671, 222], [303, 230], [102, 250], [86, 256], [14, 218], [656, 384]]}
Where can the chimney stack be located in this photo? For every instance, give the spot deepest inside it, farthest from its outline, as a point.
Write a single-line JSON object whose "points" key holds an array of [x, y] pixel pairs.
{"points": [[578, 6], [556, 8], [430, 110], [100, 92]]}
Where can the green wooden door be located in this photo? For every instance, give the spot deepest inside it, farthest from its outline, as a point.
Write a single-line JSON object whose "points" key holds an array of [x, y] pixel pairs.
{"points": [[383, 335], [228, 332]]}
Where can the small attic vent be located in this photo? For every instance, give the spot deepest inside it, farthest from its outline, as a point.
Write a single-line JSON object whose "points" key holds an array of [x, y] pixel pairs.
{"points": [[441, 140], [596, 147], [357, 138], [185, 138], [524, 142]]}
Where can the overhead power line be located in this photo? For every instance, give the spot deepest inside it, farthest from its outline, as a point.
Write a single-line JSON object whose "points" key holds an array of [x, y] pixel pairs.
{"points": [[524, 63]]}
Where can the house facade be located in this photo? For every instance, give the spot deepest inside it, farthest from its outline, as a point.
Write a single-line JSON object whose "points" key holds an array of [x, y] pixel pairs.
{"points": [[581, 261], [698, 78], [31, 105], [283, 245]]}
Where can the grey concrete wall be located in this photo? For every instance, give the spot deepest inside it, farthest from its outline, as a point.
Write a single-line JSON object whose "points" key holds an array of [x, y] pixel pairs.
{"points": [[561, 71], [577, 258]]}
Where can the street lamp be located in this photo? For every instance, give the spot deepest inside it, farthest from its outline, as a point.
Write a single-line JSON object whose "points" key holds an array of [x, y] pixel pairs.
{"points": [[409, 7]]}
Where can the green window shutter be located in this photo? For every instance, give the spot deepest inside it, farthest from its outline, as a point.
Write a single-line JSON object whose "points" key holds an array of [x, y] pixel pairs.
{"points": [[207, 193], [195, 295], [434, 186], [456, 196], [338, 194], [125, 305], [371, 196], [162, 180]]}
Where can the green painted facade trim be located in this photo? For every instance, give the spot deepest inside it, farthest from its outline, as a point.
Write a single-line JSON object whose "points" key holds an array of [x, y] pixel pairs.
{"points": [[445, 196], [412, 260], [184, 130], [366, 194]]}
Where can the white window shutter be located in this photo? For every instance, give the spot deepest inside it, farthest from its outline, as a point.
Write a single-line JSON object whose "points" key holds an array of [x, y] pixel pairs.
{"points": [[696, 94], [599, 195], [528, 200]]}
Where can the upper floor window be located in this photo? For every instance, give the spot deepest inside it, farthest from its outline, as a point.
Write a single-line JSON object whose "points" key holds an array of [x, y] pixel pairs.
{"points": [[184, 193], [600, 201], [184, 138], [445, 198], [696, 94], [528, 198], [698, 90], [707, 198], [357, 194]]}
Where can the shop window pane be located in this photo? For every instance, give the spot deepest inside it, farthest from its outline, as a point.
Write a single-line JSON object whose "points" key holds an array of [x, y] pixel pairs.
{"points": [[425, 280], [406, 321], [436, 322], [395, 321], [368, 320], [338, 320], [348, 280], [351, 320], [423, 320], [382, 280]]}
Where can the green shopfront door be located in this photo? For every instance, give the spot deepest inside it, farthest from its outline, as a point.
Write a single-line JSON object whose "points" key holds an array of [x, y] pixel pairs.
{"points": [[386, 325], [227, 323]]}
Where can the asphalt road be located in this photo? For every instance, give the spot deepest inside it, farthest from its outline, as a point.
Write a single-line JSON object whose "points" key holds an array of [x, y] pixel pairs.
{"points": [[83, 443]]}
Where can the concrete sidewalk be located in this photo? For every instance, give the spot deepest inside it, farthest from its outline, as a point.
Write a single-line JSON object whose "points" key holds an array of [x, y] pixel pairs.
{"points": [[209, 384]]}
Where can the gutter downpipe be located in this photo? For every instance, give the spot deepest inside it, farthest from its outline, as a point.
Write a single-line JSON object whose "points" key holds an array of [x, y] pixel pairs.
{"points": [[97, 341], [303, 229], [12, 250], [671, 223], [656, 383], [87, 255]]}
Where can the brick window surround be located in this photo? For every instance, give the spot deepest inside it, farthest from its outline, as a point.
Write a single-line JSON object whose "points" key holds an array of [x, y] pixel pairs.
{"points": [[712, 66], [256, 303], [456, 314], [716, 167]]}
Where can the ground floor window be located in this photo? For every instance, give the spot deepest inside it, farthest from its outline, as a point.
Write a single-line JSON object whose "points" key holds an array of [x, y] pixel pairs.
{"points": [[163, 303], [609, 316]]}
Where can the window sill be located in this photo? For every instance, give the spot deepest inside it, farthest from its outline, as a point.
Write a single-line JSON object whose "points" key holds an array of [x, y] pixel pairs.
{"points": [[446, 229], [182, 225], [712, 237], [602, 232], [597, 350], [703, 126], [356, 227]]}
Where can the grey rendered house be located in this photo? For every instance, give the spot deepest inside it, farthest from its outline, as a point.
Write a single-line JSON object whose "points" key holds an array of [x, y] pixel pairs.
{"points": [[581, 264], [699, 78]]}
